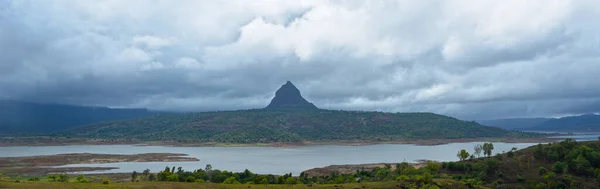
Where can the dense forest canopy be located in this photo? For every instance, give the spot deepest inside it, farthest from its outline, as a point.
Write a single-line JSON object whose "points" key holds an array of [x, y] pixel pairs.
{"points": [[285, 125]]}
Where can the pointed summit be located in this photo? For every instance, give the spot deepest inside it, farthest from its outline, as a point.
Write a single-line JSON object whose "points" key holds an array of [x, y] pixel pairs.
{"points": [[288, 97]]}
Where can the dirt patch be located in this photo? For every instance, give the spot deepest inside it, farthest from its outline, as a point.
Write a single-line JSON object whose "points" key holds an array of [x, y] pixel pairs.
{"points": [[351, 168], [41, 165]]}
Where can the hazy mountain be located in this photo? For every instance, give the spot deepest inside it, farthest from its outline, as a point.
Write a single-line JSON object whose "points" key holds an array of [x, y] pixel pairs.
{"points": [[514, 123], [587, 122], [27, 117]]}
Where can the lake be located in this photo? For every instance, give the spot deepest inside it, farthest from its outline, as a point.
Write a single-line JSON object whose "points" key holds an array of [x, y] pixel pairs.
{"points": [[264, 160], [269, 160]]}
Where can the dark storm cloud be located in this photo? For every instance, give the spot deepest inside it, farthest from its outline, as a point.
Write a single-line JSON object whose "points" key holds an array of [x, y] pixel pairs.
{"points": [[473, 60]]}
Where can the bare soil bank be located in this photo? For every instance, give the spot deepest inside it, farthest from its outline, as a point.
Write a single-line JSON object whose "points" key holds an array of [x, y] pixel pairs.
{"points": [[60, 141], [41, 165], [351, 168]]}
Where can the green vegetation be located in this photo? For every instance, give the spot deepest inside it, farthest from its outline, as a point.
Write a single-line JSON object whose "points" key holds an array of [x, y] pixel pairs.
{"points": [[264, 126], [566, 164]]}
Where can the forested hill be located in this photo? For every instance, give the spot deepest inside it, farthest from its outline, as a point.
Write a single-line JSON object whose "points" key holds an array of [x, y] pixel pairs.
{"points": [[27, 117], [283, 125]]}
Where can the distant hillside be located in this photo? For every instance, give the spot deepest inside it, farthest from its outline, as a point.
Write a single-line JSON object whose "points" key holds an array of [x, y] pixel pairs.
{"points": [[26, 117], [264, 125], [581, 123], [514, 123], [587, 122]]}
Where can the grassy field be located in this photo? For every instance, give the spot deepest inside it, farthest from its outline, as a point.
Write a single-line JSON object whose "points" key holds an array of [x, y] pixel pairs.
{"points": [[165, 185], [442, 183]]}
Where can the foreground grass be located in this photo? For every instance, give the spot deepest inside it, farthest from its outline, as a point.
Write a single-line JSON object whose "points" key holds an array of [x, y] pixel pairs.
{"points": [[165, 185], [179, 185]]}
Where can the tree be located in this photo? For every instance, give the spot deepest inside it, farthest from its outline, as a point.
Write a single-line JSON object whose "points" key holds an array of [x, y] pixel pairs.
{"points": [[462, 154], [478, 149], [134, 176], [151, 177], [146, 174], [582, 166], [487, 149], [208, 168]]}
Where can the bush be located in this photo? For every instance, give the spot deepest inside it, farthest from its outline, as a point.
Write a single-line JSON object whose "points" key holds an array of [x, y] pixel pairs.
{"points": [[402, 178], [231, 180], [52, 178], [34, 179], [81, 179], [291, 180], [173, 178], [542, 170], [105, 180], [520, 178], [63, 178], [559, 167], [190, 179], [199, 181]]}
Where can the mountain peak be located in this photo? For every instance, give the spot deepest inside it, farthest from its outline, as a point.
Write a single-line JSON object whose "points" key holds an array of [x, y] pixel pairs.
{"points": [[288, 96]]}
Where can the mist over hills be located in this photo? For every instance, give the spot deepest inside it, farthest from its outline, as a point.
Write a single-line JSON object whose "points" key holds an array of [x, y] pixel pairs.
{"points": [[580, 123], [27, 117]]}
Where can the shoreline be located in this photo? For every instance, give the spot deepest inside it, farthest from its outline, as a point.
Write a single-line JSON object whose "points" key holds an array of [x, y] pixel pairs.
{"points": [[45, 164], [51, 141]]}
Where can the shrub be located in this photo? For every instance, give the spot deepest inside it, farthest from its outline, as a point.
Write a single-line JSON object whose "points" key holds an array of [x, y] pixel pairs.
{"points": [[559, 167], [291, 180], [231, 180], [173, 178], [402, 178], [81, 179], [34, 179], [520, 178], [105, 180], [190, 179], [542, 170], [63, 178], [52, 178]]}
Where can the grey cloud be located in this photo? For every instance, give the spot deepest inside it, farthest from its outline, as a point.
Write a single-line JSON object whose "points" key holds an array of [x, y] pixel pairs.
{"points": [[466, 59]]}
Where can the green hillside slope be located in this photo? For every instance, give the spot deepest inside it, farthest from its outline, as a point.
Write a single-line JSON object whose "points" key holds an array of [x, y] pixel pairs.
{"points": [[251, 126]]}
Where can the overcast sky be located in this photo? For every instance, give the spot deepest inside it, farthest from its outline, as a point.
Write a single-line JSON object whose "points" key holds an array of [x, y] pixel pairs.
{"points": [[470, 59]]}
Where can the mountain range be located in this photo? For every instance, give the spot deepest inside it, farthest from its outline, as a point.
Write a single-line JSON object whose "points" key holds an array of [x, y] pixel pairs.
{"points": [[27, 117], [579, 123]]}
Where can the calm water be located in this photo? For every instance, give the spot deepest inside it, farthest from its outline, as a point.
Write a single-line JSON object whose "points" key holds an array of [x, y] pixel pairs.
{"points": [[266, 160], [269, 160]]}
